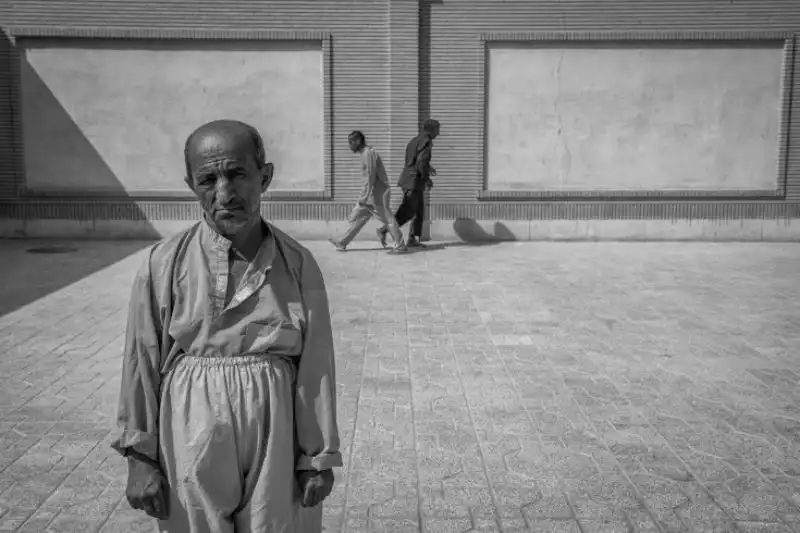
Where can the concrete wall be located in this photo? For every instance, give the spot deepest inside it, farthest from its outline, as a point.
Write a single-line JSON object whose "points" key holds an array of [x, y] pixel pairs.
{"points": [[356, 50], [389, 64], [455, 76], [111, 116], [633, 116]]}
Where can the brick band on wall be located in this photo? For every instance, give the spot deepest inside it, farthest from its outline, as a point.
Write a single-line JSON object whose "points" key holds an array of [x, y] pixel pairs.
{"points": [[326, 211]]}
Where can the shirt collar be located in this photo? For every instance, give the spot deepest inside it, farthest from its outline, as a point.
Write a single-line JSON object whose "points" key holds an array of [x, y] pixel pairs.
{"points": [[211, 240]]}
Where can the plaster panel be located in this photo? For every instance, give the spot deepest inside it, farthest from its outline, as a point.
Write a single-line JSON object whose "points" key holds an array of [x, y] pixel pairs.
{"points": [[112, 116], [683, 116]]}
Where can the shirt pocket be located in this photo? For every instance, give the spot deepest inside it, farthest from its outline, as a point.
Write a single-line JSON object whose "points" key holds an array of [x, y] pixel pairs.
{"points": [[276, 337]]}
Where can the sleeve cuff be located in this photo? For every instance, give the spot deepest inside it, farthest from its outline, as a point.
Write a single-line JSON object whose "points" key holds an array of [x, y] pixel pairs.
{"points": [[323, 461], [139, 441]]}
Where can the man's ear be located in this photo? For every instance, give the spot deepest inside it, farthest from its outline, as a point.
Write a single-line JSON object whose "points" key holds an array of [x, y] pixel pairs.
{"points": [[266, 176], [189, 182]]}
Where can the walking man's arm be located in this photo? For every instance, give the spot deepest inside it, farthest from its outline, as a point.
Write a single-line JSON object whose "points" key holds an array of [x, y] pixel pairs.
{"points": [[315, 404], [424, 169], [372, 167], [376, 173], [370, 172]]}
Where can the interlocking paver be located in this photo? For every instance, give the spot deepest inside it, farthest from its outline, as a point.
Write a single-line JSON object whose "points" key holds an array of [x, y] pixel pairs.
{"points": [[522, 387]]}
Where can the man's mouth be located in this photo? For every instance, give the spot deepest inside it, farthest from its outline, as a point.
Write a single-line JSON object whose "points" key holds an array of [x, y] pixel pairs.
{"points": [[230, 211]]}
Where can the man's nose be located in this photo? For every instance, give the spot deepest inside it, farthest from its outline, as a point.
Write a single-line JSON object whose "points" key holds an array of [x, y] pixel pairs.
{"points": [[225, 191]]}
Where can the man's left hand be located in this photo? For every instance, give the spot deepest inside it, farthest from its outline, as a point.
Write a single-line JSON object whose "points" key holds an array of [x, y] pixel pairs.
{"points": [[315, 486]]}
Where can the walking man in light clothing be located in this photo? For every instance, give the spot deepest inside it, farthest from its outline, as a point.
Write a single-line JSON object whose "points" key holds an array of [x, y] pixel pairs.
{"points": [[373, 200]]}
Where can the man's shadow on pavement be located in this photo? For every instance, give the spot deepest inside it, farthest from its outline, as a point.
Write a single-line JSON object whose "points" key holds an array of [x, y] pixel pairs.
{"points": [[470, 233]]}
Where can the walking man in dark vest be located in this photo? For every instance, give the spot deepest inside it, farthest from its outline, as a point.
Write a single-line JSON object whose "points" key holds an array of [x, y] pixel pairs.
{"points": [[415, 179]]}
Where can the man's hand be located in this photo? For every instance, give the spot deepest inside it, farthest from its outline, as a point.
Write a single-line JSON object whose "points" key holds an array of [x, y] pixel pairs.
{"points": [[315, 486], [429, 185], [147, 489], [431, 171]]}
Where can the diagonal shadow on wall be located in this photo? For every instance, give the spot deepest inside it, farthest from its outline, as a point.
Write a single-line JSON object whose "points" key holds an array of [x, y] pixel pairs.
{"points": [[53, 133]]}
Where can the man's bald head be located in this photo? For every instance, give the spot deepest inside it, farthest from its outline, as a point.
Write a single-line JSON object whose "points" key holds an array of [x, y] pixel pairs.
{"points": [[242, 135]]}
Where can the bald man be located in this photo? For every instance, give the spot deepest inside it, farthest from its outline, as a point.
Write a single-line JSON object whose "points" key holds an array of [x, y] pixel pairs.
{"points": [[227, 409]]}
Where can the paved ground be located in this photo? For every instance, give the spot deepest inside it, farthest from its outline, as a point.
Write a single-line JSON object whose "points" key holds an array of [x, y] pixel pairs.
{"points": [[516, 387]]}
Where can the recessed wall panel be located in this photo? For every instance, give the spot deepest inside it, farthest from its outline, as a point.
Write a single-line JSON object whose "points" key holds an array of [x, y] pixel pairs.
{"points": [[633, 116], [113, 115]]}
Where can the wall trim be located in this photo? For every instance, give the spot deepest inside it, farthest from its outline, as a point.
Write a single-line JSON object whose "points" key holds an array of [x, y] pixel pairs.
{"points": [[738, 194], [789, 78], [194, 34], [633, 35], [32, 32], [151, 210], [182, 195], [15, 93], [8, 170], [788, 84]]}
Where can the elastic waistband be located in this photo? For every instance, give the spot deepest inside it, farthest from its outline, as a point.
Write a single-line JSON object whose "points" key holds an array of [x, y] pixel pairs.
{"points": [[237, 360]]}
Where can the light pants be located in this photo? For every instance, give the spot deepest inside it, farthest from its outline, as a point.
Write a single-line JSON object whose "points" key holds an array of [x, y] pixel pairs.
{"points": [[361, 214], [228, 448]]}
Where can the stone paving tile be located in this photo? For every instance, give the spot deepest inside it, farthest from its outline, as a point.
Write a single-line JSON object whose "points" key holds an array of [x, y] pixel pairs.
{"points": [[520, 387]]}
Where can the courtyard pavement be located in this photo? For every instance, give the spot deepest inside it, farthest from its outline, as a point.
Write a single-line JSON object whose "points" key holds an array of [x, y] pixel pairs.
{"points": [[542, 387]]}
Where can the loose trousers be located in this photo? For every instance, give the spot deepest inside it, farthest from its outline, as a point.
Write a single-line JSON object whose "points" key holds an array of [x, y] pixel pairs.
{"points": [[227, 443], [362, 213], [412, 206]]}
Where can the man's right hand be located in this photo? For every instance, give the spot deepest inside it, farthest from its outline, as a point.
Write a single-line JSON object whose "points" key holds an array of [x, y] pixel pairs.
{"points": [[147, 489]]}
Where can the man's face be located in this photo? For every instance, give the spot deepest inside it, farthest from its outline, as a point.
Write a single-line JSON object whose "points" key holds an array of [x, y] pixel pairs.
{"points": [[435, 131], [227, 179], [355, 143]]}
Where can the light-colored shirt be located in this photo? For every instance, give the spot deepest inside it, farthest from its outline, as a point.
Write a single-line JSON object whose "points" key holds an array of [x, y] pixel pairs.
{"points": [[183, 304], [374, 178]]}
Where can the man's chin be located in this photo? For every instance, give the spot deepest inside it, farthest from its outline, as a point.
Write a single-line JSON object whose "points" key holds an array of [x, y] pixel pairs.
{"points": [[230, 226]]}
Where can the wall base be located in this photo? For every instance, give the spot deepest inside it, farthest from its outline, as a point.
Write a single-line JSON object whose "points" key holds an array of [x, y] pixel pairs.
{"points": [[469, 230]]}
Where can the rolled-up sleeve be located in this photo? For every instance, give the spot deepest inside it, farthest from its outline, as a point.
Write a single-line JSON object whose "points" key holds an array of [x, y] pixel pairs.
{"points": [[137, 415], [315, 403]]}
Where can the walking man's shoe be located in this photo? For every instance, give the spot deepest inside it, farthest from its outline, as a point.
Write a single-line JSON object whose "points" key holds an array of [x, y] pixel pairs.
{"points": [[414, 243], [399, 249], [338, 245], [382, 232]]}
